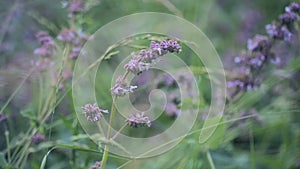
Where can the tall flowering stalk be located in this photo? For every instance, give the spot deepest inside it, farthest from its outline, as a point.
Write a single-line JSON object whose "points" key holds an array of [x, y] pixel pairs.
{"points": [[139, 63], [259, 51]]}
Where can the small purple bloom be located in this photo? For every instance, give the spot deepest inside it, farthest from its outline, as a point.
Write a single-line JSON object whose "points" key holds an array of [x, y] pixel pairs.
{"points": [[138, 120], [38, 138], [92, 112], [121, 88], [97, 165], [66, 35], [258, 43]]}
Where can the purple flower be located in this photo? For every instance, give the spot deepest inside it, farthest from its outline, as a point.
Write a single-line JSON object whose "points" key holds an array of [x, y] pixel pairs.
{"points": [[66, 35], [138, 120], [156, 47], [293, 7], [92, 112], [136, 66], [279, 32], [38, 138], [48, 44], [172, 110], [287, 18], [97, 165], [121, 88], [170, 45], [45, 39], [76, 6], [258, 43]]}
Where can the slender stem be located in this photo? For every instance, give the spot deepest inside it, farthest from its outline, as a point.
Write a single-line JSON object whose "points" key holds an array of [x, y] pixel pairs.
{"points": [[111, 119], [104, 157], [211, 163]]}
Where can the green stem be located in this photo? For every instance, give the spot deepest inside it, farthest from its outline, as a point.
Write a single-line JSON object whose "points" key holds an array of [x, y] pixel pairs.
{"points": [[211, 163], [111, 119], [104, 157]]}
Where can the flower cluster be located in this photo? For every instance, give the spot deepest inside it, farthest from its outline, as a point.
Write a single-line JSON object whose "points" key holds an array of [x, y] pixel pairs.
{"points": [[38, 138], [92, 112], [138, 120], [47, 44], [121, 88], [97, 165], [260, 50], [76, 38], [142, 61]]}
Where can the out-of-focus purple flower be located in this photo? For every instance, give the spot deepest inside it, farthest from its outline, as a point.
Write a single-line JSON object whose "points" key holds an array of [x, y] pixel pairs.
{"points": [[257, 60], [43, 64], [97, 165], [48, 44], [258, 43], [66, 35], [172, 109], [287, 18], [279, 32], [138, 120], [76, 6], [293, 7], [92, 112], [121, 88], [38, 138]]}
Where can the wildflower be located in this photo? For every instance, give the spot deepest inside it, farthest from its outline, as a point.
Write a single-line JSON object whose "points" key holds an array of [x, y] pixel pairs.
{"points": [[156, 47], [48, 44], [38, 138], [279, 32], [287, 18], [66, 35], [258, 43], [92, 112], [293, 7], [170, 45], [97, 165], [136, 66], [172, 110], [138, 120], [76, 6], [121, 88]]}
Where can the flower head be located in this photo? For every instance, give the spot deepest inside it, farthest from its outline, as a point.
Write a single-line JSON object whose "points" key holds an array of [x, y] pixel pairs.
{"points": [[38, 138], [138, 120], [66, 35], [92, 112], [121, 87], [97, 165], [48, 44]]}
